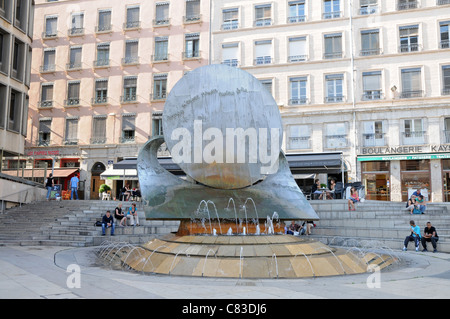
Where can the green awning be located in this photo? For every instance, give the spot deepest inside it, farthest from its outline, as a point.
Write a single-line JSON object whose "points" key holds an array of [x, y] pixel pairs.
{"points": [[403, 157]]}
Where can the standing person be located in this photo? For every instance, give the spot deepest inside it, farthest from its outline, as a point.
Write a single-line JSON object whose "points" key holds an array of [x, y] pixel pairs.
{"points": [[429, 234], [107, 221], [133, 215], [74, 186], [119, 215], [415, 236], [354, 198], [49, 183]]}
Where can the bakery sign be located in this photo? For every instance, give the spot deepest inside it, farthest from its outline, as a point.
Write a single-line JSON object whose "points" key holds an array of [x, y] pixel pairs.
{"points": [[384, 150]]}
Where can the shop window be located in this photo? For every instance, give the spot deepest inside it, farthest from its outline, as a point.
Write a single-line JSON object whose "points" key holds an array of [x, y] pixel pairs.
{"points": [[375, 177], [415, 174]]}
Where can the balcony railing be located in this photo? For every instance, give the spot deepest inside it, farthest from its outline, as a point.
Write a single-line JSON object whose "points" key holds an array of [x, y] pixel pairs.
{"points": [[72, 102], [368, 52], [332, 15], [132, 25], [336, 141], [300, 143], [297, 58], [262, 22], [98, 140], [130, 60], [48, 68], [99, 100], [70, 141], [442, 2], [194, 18], [446, 91], [103, 28], [374, 139], [230, 25], [231, 62], [43, 142], [414, 137], [296, 19], [73, 32], [332, 55], [132, 98], [372, 95], [104, 63], [45, 104], [127, 139], [445, 44], [410, 47], [49, 34], [298, 101], [158, 96], [191, 55], [73, 66], [368, 10], [334, 99], [408, 5], [411, 94], [161, 22], [160, 58], [263, 60]]}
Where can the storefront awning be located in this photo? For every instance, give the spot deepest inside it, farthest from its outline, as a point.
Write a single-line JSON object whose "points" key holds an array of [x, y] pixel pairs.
{"points": [[131, 163], [315, 163], [404, 157], [119, 174], [39, 172]]}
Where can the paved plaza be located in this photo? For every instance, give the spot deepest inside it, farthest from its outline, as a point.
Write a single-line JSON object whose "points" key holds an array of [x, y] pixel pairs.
{"points": [[31, 272]]}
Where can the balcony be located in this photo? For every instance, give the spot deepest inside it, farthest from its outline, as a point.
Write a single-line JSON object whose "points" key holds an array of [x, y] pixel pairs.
{"points": [[48, 35], [369, 52], [445, 44], [194, 18], [132, 25], [231, 62], [374, 139], [446, 91], [127, 139], [333, 55], [411, 94], [442, 2], [334, 99], [336, 141], [45, 104], [296, 19], [372, 95], [103, 28], [191, 55], [300, 143], [72, 102], [158, 96], [98, 140], [104, 63], [410, 48], [99, 100], [75, 32], [47, 68], [130, 60], [161, 22], [262, 60], [408, 5], [160, 58], [414, 137], [43, 142], [298, 101], [73, 66], [70, 141], [131, 98], [371, 9], [230, 25], [297, 58], [262, 22], [332, 15]]}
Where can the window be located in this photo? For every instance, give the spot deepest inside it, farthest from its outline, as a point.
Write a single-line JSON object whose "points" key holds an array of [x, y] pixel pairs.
{"points": [[5, 40], [73, 93], [77, 24], [336, 135], [49, 60], [409, 38], [445, 34], [411, 83], [267, 84], [447, 130], [373, 134], [132, 18], [6, 9], [162, 14], [3, 104], [331, 9], [102, 55], [157, 128], [104, 21], [230, 19], [192, 46], [296, 11], [98, 129], [46, 95], [45, 125], [368, 7], [446, 80], [230, 54], [75, 58], [51, 27], [131, 52], [298, 91], [128, 128], [263, 52], [21, 14], [263, 15], [159, 86], [161, 45], [18, 63], [333, 46], [407, 4], [129, 89], [372, 85], [26, 103], [297, 49], [15, 111], [101, 91], [192, 11], [334, 88], [370, 42], [414, 132], [71, 136], [300, 137]]}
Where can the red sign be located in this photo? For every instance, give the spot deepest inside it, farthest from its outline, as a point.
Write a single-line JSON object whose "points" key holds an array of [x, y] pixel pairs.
{"points": [[40, 153]]}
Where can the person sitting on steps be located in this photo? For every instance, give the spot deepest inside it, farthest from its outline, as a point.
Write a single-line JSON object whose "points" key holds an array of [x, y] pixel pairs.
{"points": [[354, 198]]}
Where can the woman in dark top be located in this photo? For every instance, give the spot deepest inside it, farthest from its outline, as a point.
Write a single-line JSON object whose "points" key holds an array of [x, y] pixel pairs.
{"points": [[118, 214], [49, 183]]}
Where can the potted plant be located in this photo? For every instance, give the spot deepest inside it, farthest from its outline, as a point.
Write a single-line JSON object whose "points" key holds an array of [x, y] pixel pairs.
{"points": [[103, 189]]}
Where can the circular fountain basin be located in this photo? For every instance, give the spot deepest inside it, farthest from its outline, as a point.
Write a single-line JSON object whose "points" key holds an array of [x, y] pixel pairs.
{"points": [[237, 256]]}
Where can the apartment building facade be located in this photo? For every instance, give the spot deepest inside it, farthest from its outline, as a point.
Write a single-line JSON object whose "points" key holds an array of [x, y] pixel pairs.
{"points": [[16, 29], [369, 79], [101, 71]]}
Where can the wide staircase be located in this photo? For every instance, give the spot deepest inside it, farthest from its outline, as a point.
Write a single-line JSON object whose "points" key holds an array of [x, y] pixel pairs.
{"points": [[377, 224], [71, 223]]}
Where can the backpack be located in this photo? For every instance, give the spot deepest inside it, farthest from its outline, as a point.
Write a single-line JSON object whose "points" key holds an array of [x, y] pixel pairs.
{"points": [[416, 210]]}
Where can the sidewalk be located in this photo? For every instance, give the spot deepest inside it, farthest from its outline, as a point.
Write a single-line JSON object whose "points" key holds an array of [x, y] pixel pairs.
{"points": [[40, 273]]}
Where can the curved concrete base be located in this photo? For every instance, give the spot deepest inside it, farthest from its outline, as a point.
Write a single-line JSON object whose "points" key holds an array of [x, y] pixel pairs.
{"points": [[264, 256]]}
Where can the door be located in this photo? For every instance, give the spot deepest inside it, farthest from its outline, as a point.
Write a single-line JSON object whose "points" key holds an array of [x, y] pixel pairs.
{"points": [[95, 185]]}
